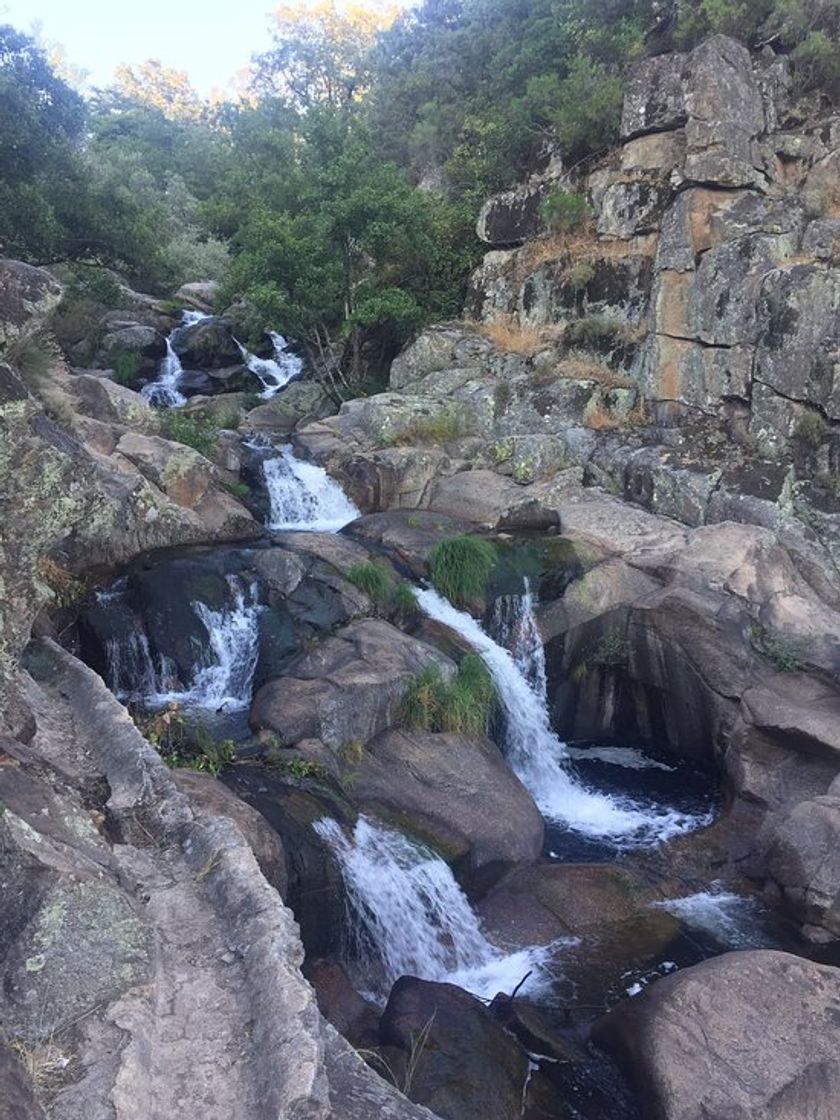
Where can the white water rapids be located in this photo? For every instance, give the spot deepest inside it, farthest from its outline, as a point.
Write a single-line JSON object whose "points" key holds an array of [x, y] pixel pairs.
{"points": [[408, 916], [303, 496], [535, 752]]}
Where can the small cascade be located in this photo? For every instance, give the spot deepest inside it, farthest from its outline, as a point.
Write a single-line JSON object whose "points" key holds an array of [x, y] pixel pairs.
{"points": [[515, 627], [734, 921], [164, 392], [273, 373], [303, 496], [534, 751], [133, 675], [223, 678], [408, 916]]}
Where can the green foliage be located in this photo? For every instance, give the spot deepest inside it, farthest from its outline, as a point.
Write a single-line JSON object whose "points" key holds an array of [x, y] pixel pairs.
{"points": [[195, 429], [612, 649], [238, 489], [125, 364], [460, 568], [462, 706], [378, 584], [404, 601], [442, 427], [182, 745], [786, 654], [302, 768], [33, 356], [374, 579], [565, 210], [811, 430], [579, 274]]}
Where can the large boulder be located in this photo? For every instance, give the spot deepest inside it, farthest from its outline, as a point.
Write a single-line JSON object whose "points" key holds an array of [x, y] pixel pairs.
{"points": [[466, 1067], [348, 689], [27, 296], [513, 216], [804, 859], [105, 400], [207, 344], [456, 792], [200, 295], [750, 1034]]}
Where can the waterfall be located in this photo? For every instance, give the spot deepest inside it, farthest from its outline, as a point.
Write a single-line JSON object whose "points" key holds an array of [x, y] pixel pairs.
{"points": [[164, 391], [303, 496], [408, 916], [132, 672], [534, 751], [515, 628], [273, 373], [223, 678]]}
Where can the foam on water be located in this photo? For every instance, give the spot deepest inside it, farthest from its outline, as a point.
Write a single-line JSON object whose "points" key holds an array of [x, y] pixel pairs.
{"points": [[408, 916], [273, 373], [536, 753], [733, 920], [303, 496]]}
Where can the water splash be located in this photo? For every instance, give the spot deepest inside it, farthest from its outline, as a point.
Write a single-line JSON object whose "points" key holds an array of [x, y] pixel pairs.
{"points": [[735, 921], [408, 916], [273, 373], [535, 752], [303, 496]]}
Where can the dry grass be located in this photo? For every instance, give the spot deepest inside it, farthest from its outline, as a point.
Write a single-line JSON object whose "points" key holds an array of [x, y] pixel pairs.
{"points": [[571, 248], [579, 369], [507, 334], [45, 1063]]}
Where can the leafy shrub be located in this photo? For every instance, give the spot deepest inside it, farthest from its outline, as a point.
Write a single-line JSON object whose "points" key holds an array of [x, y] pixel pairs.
{"points": [[579, 274], [182, 746], [565, 211], [195, 429], [462, 706], [125, 364], [612, 650], [786, 654], [460, 567]]}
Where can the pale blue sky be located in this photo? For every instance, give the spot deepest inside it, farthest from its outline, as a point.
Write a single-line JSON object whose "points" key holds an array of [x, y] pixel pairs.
{"points": [[210, 39]]}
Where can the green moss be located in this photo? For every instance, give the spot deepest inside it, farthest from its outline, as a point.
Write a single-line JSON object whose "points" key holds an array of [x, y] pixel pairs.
{"points": [[786, 654]]}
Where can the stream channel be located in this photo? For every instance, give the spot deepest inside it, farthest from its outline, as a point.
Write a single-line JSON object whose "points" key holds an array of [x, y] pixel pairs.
{"points": [[199, 631]]}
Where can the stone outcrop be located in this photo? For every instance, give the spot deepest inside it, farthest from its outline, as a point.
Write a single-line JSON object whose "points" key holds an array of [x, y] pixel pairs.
{"points": [[751, 1034], [27, 297], [94, 931]]}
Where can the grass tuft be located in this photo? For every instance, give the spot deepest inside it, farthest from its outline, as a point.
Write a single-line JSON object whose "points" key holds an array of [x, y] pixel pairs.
{"points": [[462, 706], [460, 568]]}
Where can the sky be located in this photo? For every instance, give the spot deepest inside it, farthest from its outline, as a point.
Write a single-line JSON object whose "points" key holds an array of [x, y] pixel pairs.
{"points": [[211, 39]]}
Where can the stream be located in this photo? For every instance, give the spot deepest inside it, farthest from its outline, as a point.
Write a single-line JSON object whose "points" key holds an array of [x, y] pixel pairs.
{"points": [[406, 914]]}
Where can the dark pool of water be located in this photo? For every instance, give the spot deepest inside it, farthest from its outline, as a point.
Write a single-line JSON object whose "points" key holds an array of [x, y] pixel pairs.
{"points": [[651, 779]]}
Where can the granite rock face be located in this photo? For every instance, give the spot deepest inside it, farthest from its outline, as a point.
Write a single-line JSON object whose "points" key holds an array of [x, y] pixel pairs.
{"points": [[749, 1034]]}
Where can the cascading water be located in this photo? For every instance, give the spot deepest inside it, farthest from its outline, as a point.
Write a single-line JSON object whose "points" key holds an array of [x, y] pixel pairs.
{"points": [[273, 373], [303, 496], [409, 916], [132, 673], [164, 392], [223, 678], [536, 754]]}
